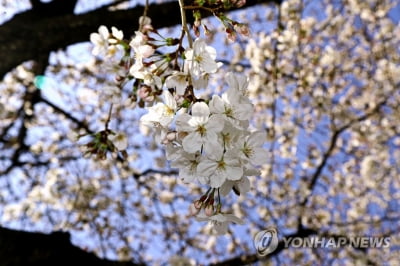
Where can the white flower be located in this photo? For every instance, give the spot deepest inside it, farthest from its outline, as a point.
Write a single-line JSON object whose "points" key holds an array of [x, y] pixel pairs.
{"points": [[140, 46], [234, 112], [242, 186], [187, 164], [201, 58], [114, 55], [230, 135], [154, 116], [251, 148], [141, 50], [148, 77], [220, 221], [219, 167], [106, 44], [202, 128], [119, 140], [161, 114], [145, 20], [100, 41], [172, 152], [237, 87], [117, 34], [177, 80], [138, 40], [201, 82]]}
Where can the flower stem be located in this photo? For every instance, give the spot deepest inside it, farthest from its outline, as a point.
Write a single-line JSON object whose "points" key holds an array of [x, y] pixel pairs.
{"points": [[184, 23], [109, 117], [146, 8]]}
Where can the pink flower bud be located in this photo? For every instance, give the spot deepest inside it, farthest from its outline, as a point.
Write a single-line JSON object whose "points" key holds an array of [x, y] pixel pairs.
{"points": [[119, 78], [207, 32], [196, 31], [193, 210], [209, 210], [242, 29], [197, 204], [231, 34], [144, 92], [170, 137], [240, 3]]}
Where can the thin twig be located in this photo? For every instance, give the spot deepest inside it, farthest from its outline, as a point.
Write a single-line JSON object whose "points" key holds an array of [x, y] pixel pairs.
{"points": [[184, 23], [109, 117], [141, 22]]}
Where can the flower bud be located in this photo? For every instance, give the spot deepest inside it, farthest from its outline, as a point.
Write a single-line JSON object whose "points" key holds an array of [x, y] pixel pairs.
{"points": [[240, 3], [193, 210], [144, 92], [197, 204], [231, 34], [196, 30], [170, 137], [243, 29], [207, 32], [209, 210]]}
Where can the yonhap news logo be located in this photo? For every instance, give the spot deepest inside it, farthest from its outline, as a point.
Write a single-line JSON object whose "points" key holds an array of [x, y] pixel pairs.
{"points": [[266, 242]]}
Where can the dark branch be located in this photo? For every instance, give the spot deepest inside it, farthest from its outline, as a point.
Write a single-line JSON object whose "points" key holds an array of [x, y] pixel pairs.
{"points": [[53, 8], [20, 248], [332, 145], [31, 33]]}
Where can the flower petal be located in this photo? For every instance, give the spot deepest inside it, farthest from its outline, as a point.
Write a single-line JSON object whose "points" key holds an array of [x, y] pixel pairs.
{"points": [[257, 139], [206, 167], [200, 109], [234, 172], [226, 187], [192, 142], [217, 105], [259, 156], [217, 180]]}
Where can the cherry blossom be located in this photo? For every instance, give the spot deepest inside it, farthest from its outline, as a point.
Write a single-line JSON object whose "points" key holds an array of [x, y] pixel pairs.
{"points": [[148, 76], [218, 167], [251, 148], [187, 164], [201, 58], [119, 140], [178, 80], [161, 114], [241, 186], [100, 41], [202, 128], [231, 111], [220, 221]]}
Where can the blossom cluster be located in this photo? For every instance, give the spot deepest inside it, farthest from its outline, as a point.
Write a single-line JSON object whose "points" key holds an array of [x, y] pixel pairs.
{"points": [[208, 140]]}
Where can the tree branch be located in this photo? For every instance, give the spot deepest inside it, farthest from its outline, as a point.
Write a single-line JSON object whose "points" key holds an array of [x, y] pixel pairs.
{"points": [[32, 33], [332, 145], [20, 248]]}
